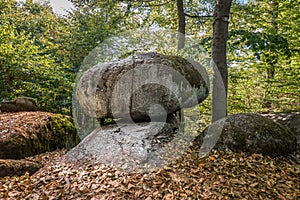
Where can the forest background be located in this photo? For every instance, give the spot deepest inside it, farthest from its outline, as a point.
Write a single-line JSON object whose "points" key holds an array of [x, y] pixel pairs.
{"points": [[41, 52]]}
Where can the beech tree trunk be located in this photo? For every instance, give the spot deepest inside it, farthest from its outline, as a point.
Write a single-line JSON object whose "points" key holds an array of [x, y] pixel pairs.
{"points": [[181, 25], [219, 64], [271, 58], [180, 45]]}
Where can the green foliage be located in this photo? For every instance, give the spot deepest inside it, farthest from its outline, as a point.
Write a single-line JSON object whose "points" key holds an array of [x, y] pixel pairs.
{"points": [[30, 64], [89, 24], [263, 46], [263, 51], [41, 52]]}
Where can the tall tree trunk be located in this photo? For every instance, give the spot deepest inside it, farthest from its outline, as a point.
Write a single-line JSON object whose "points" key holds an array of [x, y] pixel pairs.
{"points": [[180, 45], [272, 59], [219, 64], [181, 25]]}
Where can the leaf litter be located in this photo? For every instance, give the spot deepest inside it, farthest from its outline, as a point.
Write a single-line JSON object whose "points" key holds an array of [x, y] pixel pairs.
{"points": [[220, 175]]}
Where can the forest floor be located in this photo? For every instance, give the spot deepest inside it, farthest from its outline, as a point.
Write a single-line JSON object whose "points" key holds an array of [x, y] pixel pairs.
{"points": [[221, 175]]}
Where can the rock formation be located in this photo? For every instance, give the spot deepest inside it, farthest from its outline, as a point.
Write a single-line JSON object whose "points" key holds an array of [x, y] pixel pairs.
{"points": [[131, 147], [291, 120], [141, 93]]}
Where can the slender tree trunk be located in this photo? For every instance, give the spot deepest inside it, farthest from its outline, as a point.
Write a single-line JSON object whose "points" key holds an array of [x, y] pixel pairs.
{"points": [[180, 45], [181, 25], [272, 59], [219, 64]]}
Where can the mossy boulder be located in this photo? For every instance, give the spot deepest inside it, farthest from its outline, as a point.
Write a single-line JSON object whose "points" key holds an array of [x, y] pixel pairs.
{"points": [[248, 133], [10, 167], [25, 134]]}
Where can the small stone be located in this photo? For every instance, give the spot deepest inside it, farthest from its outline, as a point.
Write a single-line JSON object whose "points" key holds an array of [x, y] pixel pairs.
{"points": [[10, 167]]}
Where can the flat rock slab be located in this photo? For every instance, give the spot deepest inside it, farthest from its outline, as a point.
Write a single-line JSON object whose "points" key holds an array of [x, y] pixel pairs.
{"points": [[10, 167], [131, 147], [248, 133], [129, 88]]}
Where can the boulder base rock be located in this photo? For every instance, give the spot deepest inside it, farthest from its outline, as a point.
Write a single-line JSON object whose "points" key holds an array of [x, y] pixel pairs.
{"points": [[130, 87], [25, 134], [248, 133], [131, 147], [10, 167]]}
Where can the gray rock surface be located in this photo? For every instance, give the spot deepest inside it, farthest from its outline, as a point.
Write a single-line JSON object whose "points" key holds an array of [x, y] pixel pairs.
{"points": [[129, 88], [10, 167], [248, 133], [132, 147]]}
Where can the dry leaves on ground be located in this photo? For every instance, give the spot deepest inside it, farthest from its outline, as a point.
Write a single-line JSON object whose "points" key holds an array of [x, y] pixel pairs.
{"points": [[21, 122], [222, 175]]}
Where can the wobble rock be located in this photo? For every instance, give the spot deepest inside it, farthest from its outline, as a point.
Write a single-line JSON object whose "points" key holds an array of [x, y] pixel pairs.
{"points": [[26, 134], [128, 88], [248, 133]]}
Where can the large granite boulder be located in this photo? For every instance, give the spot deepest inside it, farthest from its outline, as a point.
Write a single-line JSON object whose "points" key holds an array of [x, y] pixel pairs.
{"points": [[9, 167], [128, 88], [132, 146], [248, 133], [25, 134]]}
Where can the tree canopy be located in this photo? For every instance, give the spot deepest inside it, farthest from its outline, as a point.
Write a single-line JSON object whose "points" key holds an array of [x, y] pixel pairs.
{"points": [[41, 52]]}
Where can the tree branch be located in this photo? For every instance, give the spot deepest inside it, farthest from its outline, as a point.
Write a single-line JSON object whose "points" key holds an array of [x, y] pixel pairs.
{"points": [[148, 3], [197, 16]]}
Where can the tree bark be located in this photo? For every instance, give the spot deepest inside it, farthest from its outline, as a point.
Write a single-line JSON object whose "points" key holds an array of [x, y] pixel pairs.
{"points": [[181, 25], [181, 44], [272, 58], [219, 63]]}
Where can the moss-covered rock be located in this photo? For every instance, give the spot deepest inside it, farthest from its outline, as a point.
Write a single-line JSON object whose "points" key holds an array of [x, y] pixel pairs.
{"points": [[248, 133], [29, 133]]}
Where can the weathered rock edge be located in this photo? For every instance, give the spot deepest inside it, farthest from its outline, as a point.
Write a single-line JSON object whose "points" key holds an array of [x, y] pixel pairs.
{"points": [[290, 120]]}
